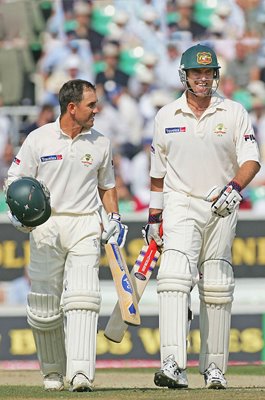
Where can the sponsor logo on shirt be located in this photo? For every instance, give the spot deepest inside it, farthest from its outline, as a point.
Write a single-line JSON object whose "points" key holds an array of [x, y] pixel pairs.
{"points": [[16, 161], [220, 129], [152, 149], [175, 129], [52, 157], [87, 160], [250, 137]]}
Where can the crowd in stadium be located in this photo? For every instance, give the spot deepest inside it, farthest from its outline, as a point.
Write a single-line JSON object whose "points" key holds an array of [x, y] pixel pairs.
{"points": [[131, 50]]}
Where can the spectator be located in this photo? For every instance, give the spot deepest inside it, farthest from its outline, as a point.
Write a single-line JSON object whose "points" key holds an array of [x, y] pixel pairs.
{"points": [[140, 180], [46, 115], [56, 56], [111, 72], [5, 162], [128, 111], [167, 68], [244, 66], [106, 123], [82, 13], [71, 69], [5, 131], [185, 21]]}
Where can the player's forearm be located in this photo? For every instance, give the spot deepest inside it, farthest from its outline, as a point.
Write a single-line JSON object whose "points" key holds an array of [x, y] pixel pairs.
{"points": [[109, 200], [156, 198], [246, 173]]}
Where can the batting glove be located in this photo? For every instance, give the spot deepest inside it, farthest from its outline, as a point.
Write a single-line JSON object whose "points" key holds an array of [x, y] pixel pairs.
{"points": [[228, 200], [18, 225], [115, 230], [151, 230]]}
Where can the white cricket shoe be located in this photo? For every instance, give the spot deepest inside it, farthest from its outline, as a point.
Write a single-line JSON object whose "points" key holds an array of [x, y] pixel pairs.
{"points": [[170, 375], [80, 383], [214, 378], [53, 381]]}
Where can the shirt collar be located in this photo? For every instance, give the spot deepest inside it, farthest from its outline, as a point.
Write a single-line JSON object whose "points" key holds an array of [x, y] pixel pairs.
{"points": [[59, 130], [217, 102]]}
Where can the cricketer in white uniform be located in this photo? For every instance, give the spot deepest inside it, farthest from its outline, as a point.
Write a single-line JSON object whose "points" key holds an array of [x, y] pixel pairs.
{"points": [[75, 163], [203, 154]]}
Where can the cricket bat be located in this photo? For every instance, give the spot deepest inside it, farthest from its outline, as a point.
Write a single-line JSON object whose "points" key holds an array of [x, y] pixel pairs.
{"points": [[127, 300], [140, 275]]}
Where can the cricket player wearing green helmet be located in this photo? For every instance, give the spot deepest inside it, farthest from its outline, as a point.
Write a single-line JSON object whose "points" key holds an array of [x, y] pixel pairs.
{"points": [[203, 154]]}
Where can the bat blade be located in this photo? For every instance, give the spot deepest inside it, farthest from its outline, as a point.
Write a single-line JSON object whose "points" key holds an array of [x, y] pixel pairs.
{"points": [[140, 275], [127, 302]]}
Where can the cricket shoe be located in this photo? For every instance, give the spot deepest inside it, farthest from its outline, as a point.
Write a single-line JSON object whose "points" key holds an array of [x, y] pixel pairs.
{"points": [[53, 382], [80, 383], [170, 375], [214, 378]]}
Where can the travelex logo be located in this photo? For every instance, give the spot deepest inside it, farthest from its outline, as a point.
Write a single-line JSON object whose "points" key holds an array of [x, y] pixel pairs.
{"points": [[52, 157], [175, 129]]}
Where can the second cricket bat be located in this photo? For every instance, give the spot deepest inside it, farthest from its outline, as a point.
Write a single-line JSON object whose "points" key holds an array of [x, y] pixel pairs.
{"points": [[128, 305], [140, 275]]}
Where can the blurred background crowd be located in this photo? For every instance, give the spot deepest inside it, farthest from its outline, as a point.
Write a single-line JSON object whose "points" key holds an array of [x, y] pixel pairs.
{"points": [[131, 50]]}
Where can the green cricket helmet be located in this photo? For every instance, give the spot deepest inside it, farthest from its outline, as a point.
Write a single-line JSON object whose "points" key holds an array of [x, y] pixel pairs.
{"points": [[198, 56], [29, 201]]}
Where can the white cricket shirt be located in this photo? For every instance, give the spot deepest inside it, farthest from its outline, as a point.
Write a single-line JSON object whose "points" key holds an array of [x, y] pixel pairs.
{"points": [[193, 155], [72, 169]]}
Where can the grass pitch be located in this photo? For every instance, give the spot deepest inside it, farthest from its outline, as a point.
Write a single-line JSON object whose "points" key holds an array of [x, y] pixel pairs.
{"points": [[245, 383]]}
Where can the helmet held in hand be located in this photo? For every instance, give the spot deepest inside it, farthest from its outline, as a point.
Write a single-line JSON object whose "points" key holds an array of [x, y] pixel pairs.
{"points": [[29, 201]]}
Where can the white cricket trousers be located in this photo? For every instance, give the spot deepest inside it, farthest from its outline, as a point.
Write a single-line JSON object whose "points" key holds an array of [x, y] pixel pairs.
{"points": [[64, 264]]}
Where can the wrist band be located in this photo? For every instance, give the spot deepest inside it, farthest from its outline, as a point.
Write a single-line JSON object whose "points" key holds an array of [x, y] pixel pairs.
{"points": [[115, 216], [155, 218], [235, 185], [156, 200]]}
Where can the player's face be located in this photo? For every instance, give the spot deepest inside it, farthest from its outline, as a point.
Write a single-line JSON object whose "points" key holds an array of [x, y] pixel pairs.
{"points": [[85, 110], [200, 81]]}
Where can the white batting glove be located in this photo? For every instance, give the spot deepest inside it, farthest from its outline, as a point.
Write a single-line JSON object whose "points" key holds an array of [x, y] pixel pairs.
{"points": [[115, 230], [213, 194], [18, 225], [228, 200], [152, 229]]}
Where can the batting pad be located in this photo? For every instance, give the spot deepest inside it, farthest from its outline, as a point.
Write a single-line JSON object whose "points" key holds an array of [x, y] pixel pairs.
{"points": [[46, 320], [216, 288], [173, 287], [81, 301]]}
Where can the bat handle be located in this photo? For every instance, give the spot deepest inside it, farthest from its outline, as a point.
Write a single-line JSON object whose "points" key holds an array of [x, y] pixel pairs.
{"points": [[105, 222], [104, 216], [153, 244]]}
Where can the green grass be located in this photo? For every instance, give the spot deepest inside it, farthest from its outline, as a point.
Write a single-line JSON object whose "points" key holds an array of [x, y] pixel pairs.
{"points": [[245, 376], [250, 369], [34, 392]]}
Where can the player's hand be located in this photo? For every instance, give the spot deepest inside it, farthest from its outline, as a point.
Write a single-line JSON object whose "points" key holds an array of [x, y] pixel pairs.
{"points": [[152, 229], [115, 230], [227, 201], [18, 225]]}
